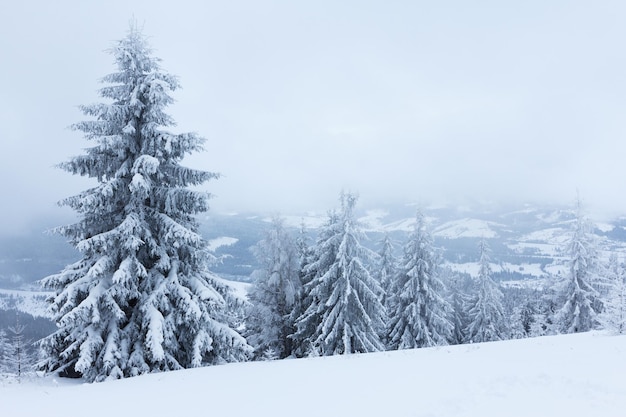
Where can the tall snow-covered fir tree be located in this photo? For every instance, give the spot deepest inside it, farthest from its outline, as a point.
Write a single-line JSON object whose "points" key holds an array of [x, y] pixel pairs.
{"points": [[273, 293], [486, 314], [344, 313], [141, 298], [581, 302], [419, 314]]}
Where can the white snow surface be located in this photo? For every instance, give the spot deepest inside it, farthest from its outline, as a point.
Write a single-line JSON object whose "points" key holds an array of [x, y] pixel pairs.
{"points": [[240, 289], [31, 302], [571, 375], [373, 220], [524, 268], [218, 242], [309, 220], [404, 225], [467, 228], [605, 227]]}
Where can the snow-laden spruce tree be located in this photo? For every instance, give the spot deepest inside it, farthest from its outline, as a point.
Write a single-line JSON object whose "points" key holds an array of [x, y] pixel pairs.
{"points": [[581, 302], [344, 313], [419, 314], [485, 314], [141, 298], [525, 318], [273, 293], [458, 301], [613, 318], [4, 349], [544, 305], [302, 344], [386, 267]]}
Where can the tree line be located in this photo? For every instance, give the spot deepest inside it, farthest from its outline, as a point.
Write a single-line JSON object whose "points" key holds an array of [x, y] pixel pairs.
{"points": [[142, 297], [334, 296]]}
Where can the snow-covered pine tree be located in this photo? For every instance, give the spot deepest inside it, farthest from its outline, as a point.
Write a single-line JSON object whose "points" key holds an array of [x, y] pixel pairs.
{"points": [[141, 298], [544, 306], [613, 318], [527, 314], [273, 294], [486, 314], [519, 320], [458, 301], [344, 314], [517, 311], [419, 314], [4, 346], [303, 246], [302, 344], [581, 302], [386, 267], [18, 357]]}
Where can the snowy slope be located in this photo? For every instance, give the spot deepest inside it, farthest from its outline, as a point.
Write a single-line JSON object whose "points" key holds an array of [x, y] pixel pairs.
{"points": [[528, 269], [309, 220], [467, 228], [574, 375], [31, 302], [531, 240], [216, 243], [240, 289]]}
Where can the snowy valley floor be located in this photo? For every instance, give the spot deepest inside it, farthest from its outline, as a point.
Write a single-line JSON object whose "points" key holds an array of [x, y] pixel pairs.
{"points": [[573, 375]]}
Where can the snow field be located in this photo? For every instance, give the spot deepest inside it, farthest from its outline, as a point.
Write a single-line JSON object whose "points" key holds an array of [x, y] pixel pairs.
{"points": [[569, 375], [214, 244], [31, 302]]}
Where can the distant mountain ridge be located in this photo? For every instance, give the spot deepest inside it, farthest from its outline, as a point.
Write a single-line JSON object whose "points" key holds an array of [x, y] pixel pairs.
{"points": [[527, 247], [526, 242]]}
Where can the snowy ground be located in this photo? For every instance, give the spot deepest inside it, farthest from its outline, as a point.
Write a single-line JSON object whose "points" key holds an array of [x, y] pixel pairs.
{"points": [[466, 228], [31, 302], [533, 270], [214, 244], [574, 375]]}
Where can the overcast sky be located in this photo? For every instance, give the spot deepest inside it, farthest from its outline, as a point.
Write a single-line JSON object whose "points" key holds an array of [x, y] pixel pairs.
{"points": [[429, 101]]}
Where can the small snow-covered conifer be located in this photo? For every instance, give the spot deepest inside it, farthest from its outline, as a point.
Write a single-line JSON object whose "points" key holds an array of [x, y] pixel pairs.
{"points": [[419, 314], [344, 314], [18, 357], [544, 306], [4, 346], [486, 314], [301, 338], [387, 267], [613, 318], [141, 298], [273, 294], [527, 314], [458, 301]]}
